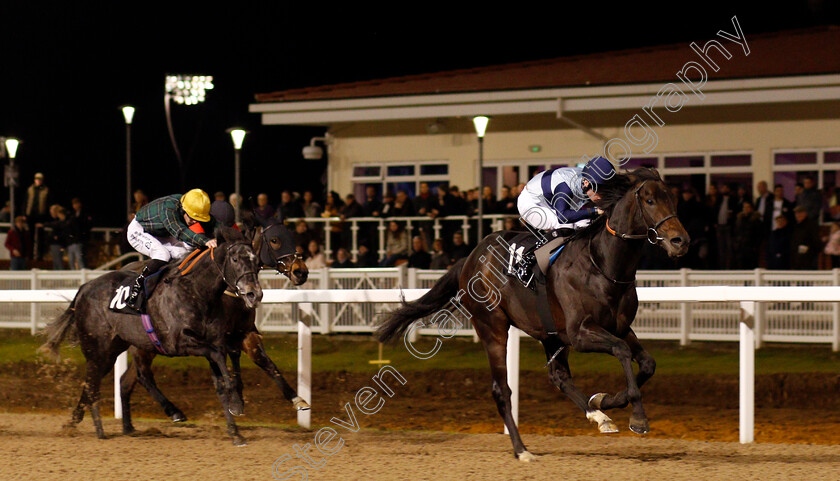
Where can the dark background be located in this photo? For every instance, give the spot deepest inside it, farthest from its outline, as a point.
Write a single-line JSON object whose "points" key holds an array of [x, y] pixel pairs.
{"points": [[65, 69]]}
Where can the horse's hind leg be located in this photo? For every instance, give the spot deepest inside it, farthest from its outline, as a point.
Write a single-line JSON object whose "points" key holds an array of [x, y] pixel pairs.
{"points": [[591, 337], [253, 346], [647, 366], [222, 393], [93, 380], [561, 376], [495, 344]]}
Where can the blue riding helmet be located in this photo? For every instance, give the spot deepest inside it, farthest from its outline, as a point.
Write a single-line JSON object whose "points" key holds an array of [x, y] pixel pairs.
{"points": [[598, 170]]}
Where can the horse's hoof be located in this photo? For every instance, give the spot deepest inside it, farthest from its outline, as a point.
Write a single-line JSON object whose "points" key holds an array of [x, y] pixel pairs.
{"points": [[595, 400], [639, 426], [129, 430], [239, 441], [237, 411], [526, 457], [178, 417], [605, 424], [300, 404]]}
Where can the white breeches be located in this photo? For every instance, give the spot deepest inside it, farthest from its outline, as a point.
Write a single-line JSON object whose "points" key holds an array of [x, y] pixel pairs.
{"points": [[164, 249], [534, 210]]}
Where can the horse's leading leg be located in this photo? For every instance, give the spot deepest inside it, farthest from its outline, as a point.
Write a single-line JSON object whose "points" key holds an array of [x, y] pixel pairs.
{"points": [[591, 337], [222, 393], [93, 380], [146, 377], [495, 344], [561, 376], [253, 346], [647, 366]]}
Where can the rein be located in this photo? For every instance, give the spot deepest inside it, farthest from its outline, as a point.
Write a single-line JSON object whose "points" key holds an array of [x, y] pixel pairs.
{"points": [[195, 256], [652, 235]]}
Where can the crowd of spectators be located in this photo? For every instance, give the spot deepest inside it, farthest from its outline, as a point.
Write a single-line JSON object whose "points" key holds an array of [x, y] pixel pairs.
{"points": [[729, 228], [47, 226]]}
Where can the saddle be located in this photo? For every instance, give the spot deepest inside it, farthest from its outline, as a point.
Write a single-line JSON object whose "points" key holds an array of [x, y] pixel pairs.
{"points": [[531, 255], [119, 300]]}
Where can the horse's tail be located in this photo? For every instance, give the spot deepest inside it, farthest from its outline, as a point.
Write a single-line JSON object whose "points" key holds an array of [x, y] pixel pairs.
{"points": [[399, 320], [63, 328]]}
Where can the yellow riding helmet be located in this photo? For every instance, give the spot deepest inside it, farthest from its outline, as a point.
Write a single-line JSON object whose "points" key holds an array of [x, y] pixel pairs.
{"points": [[196, 204]]}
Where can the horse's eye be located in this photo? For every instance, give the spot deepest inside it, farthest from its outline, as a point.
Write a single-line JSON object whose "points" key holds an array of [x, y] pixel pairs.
{"points": [[649, 201], [235, 259]]}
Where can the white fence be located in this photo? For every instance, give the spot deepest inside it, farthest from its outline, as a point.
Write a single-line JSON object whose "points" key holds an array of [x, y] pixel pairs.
{"points": [[784, 321]]}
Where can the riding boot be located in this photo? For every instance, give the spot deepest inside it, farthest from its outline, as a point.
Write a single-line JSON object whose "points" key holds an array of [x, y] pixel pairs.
{"points": [[134, 296]]}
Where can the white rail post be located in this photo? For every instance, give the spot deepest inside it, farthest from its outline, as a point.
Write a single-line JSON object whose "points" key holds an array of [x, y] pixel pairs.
{"points": [[354, 247], [34, 308], [685, 312], [120, 367], [747, 374], [304, 371], [327, 240], [760, 308], [513, 373], [324, 310], [381, 229], [835, 311]]}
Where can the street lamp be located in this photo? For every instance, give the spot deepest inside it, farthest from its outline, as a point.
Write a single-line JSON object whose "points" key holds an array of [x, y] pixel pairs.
{"points": [[11, 175], [480, 123], [184, 90], [238, 136], [128, 113]]}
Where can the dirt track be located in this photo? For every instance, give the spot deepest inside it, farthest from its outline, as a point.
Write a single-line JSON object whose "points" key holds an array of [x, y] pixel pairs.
{"points": [[33, 447], [459, 424]]}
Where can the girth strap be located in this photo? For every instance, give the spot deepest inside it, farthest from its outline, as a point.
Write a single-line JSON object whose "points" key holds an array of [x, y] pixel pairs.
{"points": [[150, 330]]}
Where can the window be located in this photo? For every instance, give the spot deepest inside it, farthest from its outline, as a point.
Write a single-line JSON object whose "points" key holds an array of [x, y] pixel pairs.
{"points": [[399, 176]]}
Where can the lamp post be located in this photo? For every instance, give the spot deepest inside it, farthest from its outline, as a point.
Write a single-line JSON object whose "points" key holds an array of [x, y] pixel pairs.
{"points": [[480, 123], [238, 136], [183, 90], [11, 176], [128, 113]]}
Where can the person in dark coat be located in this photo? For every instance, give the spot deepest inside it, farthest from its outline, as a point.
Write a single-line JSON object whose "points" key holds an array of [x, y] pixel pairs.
{"points": [[747, 237], [459, 248], [506, 203], [420, 257], [778, 244], [692, 215], [366, 257], [403, 207], [19, 243], [302, 235], [764, 205], [805, 242], [60, 235], [289, 207], [342, 260]]}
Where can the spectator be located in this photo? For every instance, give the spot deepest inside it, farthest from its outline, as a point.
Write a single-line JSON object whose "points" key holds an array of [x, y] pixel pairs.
{"points": [[332, 208], [778, 244], [396, 245], [832, 206], [302, 235], [37, 211], [342, 259], [764, 205], [289, 207], [810, 199], [781, 206], [140, 199], [420, 258], [235, 200], [440, 259], [19, 243], [747, 237], [80, 226], [219, 196], [372, 206], [805, 242], [366, 257], [223, 213], [387, 205], [264, 211], [457, 204], [425, 202], [312, 209], [315, 258], [832, 245], [507, 202], [459, 248], [692, 215], [403, 207], [511, 223], [59, 235], [489, 200], [724, 220], [350, 209], [6, 212]]}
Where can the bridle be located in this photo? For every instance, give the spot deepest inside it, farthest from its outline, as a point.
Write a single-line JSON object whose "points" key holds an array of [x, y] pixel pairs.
{"points": [[235, 285], [652, 234], [286, 260]]}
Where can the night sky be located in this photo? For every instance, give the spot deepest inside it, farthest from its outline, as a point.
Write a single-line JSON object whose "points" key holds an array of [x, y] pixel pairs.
{"points": [[66, 70]]}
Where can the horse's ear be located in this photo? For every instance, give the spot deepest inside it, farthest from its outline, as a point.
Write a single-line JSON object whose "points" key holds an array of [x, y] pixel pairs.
{"points": [[248, 222], [228, 234]]}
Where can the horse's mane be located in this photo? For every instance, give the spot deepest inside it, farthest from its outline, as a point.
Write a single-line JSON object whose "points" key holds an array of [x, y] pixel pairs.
{"points": [[612, 191]]}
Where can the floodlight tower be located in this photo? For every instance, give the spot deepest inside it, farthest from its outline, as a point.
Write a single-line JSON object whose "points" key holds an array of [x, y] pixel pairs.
{"points": [[184, 90]]}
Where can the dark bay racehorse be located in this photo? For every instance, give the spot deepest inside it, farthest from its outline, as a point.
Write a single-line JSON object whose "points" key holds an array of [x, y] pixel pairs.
{"points": [[275, 248], [591, 295], [186, 312]]}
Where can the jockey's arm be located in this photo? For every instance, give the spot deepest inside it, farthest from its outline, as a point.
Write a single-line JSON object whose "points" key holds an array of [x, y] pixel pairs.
{"points": [[175, 225], [565, 213]]}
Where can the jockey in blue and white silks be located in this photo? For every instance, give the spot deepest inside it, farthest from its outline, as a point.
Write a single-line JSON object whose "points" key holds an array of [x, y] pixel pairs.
{"points": [[555, 198]]}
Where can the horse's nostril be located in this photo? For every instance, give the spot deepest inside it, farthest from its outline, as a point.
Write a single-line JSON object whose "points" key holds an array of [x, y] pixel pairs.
{"points": [[677, 241], [251, 296], [297, 272]]}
